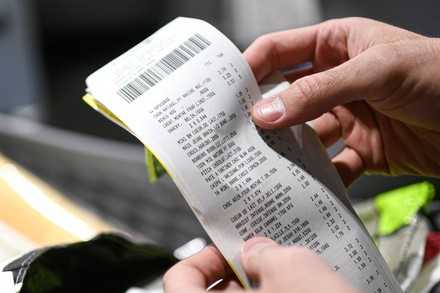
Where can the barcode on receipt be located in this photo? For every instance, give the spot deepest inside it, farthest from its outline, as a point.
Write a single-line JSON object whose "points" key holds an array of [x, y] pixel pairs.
{"points": [[164, 67]]}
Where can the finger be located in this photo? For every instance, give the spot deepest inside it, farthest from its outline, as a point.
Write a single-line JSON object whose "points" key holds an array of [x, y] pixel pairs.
{"points": [[289, 269], [311, 96], [349, 165], [198, 272], [251, 256], [326, 44], [328, 128], [281, 49], [362, 137], [274, 267]]}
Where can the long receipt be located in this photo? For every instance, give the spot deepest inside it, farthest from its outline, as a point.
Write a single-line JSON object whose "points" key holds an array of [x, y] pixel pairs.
{"points": [[186, 93]]}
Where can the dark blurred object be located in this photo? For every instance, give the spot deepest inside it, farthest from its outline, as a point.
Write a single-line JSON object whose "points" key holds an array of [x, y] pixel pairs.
{"points": [[107, 263], [21, 78]]}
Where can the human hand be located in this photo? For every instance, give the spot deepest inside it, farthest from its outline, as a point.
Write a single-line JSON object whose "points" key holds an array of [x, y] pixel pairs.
{"points": [[374, 85], [275, 268]]}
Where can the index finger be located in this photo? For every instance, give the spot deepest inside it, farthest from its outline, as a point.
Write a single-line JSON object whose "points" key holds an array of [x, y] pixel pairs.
{"points": [[281, 49]]}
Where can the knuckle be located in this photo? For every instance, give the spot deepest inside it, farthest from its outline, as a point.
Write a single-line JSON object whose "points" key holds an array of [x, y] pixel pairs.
{"points": [[309, 87], [313, 88]]}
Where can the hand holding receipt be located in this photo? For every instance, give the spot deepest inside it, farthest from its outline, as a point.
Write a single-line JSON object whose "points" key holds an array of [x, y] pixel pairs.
{"points": [[186, 94]]}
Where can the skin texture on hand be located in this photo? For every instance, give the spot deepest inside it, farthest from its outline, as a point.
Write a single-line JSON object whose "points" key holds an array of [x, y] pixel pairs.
{"points": [[374, 85], [275, 268]]}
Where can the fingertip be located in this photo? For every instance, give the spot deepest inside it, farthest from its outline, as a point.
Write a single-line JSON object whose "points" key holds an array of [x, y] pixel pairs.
{"points": [[252, 253], [256, 242]]}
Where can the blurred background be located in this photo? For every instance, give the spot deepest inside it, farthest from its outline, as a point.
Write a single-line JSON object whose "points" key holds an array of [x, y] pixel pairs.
{"points": [[49, 47]]}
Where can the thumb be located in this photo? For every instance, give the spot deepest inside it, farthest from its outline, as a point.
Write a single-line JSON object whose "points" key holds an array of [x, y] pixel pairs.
{"points": [[311, 96], [251, 256], [288, 269]]}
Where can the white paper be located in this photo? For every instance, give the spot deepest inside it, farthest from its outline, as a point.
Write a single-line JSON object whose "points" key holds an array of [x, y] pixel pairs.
{"points": [[186, 93]]}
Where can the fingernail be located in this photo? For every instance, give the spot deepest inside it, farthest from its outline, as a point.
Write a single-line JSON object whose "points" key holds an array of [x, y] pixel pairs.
{"points": [[253, 243], [269, 110]]}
